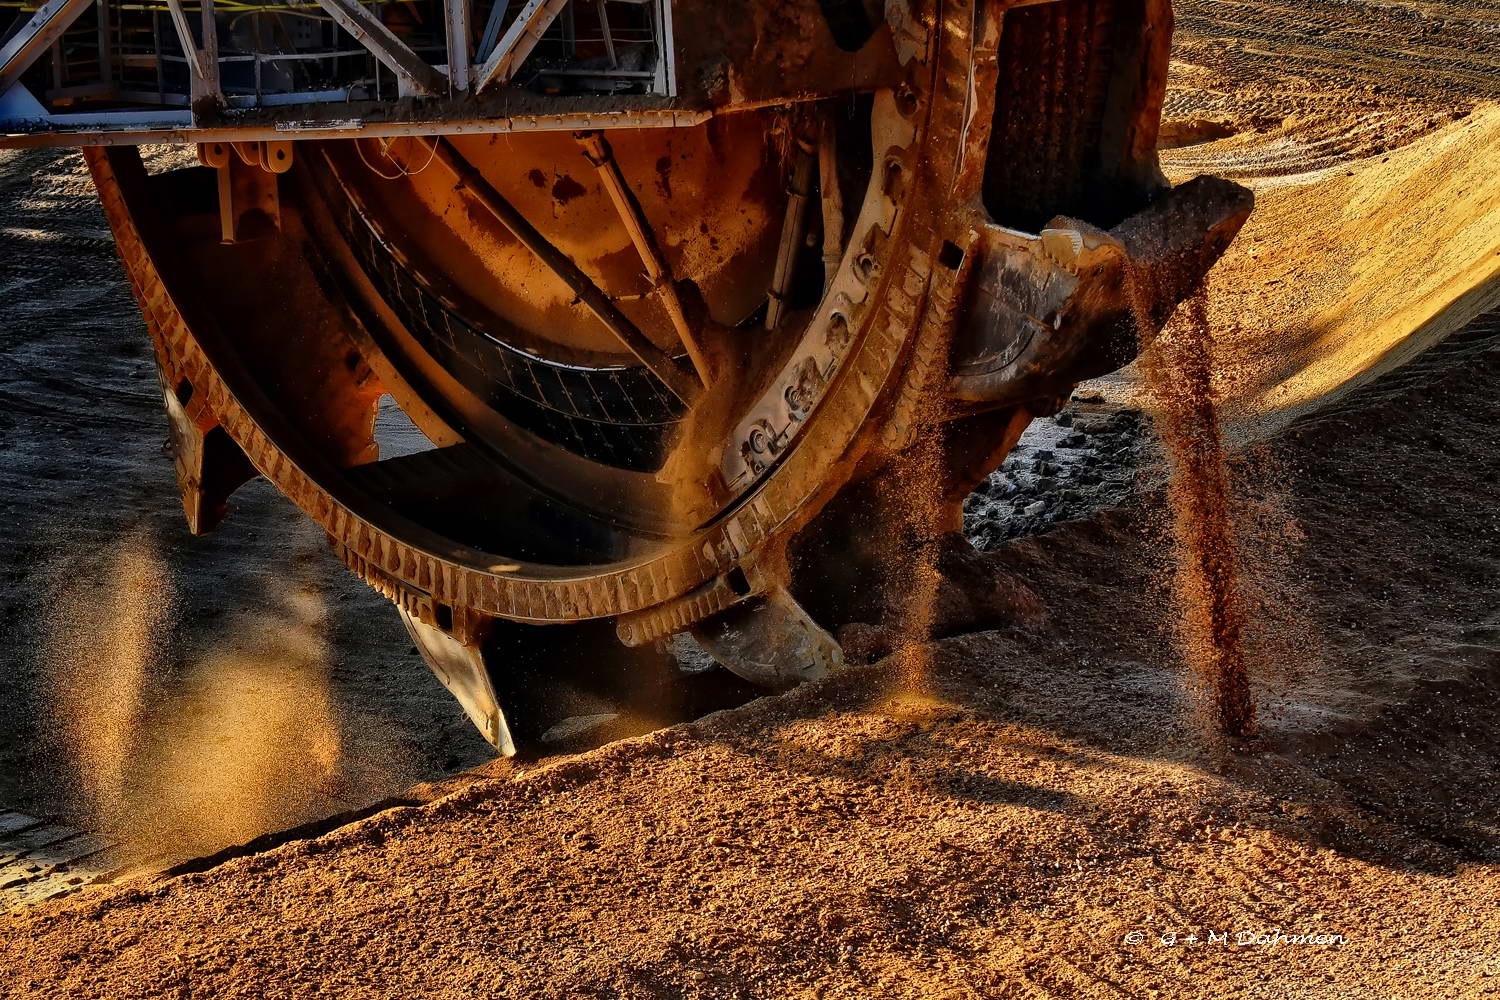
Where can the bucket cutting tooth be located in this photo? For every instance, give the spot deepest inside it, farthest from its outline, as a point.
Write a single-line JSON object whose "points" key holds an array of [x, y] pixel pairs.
{"points": [[210, 466], [457, 659], [770, 641]]}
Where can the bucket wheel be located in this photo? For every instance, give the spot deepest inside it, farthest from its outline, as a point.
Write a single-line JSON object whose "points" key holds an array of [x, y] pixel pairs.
{"points": [[641, 361]]}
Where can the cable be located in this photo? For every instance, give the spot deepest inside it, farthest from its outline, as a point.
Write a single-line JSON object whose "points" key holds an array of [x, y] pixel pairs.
{"points": [[402, 171]]}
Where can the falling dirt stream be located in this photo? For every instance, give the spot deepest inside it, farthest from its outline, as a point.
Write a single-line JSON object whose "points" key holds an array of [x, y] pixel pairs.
{"points": [[1177, 364]]}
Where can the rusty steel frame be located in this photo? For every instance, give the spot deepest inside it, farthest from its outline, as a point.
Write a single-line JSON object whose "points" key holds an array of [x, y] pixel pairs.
{"points": [[422, 575], [662, 364], [414, 75], [934, 318], [459, 97], [597, 149]]}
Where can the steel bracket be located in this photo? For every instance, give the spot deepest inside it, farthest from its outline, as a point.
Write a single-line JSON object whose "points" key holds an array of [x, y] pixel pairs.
{"points": [[249, 196]]}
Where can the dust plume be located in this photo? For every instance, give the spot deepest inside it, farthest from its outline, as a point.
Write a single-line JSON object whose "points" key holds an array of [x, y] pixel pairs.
{"points": [[252, 743], [104, 644], [914, 497], [181, 755], [914, 492]]}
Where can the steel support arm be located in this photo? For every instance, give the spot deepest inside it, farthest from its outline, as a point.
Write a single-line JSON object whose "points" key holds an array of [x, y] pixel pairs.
{"points": [[597, 148], [680, 383], [460, 48], [367, 28], [518, 41], [186, 40], [45, 27]]}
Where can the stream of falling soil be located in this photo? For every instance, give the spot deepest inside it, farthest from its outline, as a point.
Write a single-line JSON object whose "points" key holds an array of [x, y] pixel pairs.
{"points": [[118, 629], [1178, 367], [914, 492]]}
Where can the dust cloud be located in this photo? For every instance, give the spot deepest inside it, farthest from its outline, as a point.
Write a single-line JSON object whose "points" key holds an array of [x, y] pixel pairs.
{"points": [[253, 745], [176, 755], [106, 641]]}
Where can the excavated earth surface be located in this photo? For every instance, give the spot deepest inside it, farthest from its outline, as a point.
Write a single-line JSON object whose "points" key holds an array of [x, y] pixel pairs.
{"points": [[1038, 813], [1037, 818]]}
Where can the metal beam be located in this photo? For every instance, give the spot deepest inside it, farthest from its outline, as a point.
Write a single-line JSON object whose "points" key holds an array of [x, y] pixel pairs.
{"points": [[518, 41], [680, 383], [491, 29], [460, 51], [187, 41], [210, 53], [36, 36], [833, 200], [599, 153], [609, 39], [106, 45], [134, 128], [793, 228], [365, 25]]}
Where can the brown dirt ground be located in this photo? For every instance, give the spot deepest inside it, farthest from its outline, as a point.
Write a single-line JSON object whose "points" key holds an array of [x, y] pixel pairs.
{"points": [[1368, 132], [1007, 828], [1000, 832]]}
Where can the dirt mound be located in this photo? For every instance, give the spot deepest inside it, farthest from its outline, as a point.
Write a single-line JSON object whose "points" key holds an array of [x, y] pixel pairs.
{"points": [[1367, 131], [1346, 273], [1357, 62]]}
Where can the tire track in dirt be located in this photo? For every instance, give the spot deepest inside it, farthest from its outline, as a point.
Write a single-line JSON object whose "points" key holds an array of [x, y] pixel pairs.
{"points": [[1441, 52]]}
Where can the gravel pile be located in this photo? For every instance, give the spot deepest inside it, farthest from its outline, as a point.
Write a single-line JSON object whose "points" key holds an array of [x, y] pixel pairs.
{"points": [[1087, 457]]}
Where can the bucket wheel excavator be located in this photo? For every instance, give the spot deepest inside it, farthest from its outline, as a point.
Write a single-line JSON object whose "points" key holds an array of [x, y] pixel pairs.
{"points": [[668, 289]]}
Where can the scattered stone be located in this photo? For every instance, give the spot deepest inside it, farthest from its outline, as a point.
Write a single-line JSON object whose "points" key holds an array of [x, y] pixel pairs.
{"points": [[692, 658], [1088, 460]]}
